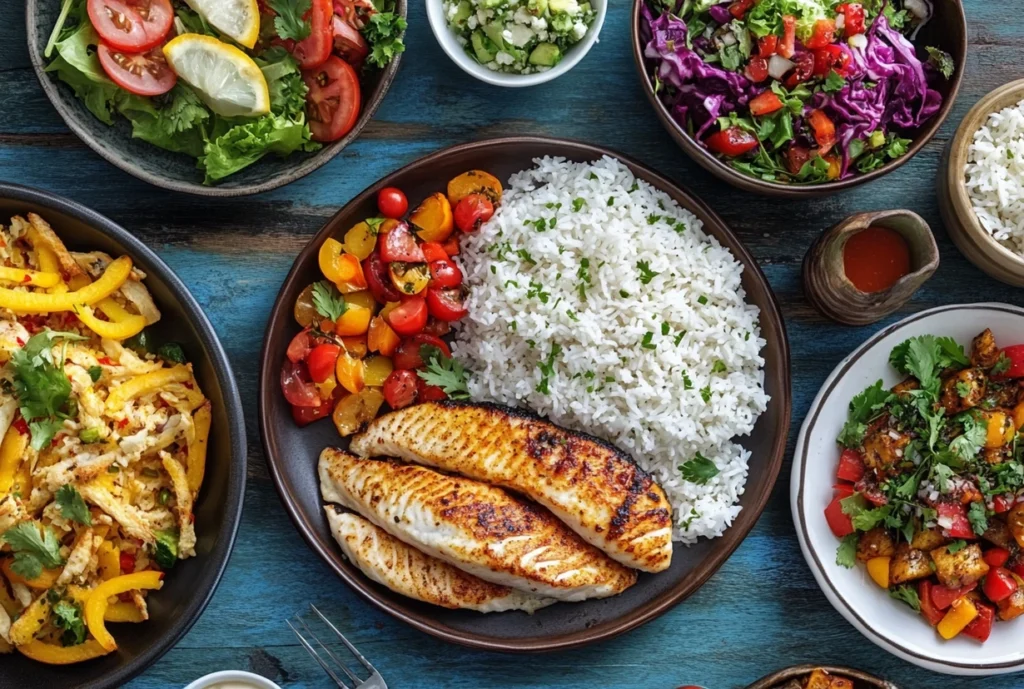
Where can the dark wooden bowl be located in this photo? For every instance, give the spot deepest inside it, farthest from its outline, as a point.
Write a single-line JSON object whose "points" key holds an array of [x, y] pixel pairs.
{"points": [[191, 584], [177, 171], [946, 30], [292, 452], [862, 680]]}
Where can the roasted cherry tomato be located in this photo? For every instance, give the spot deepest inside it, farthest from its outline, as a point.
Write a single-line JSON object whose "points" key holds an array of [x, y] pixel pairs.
{"points": [[400, 245], [409, 317], [731, 142], [321, 361], [299, 347], [432, 251], [444, 273], [473, 211], [409, 278], [145, 74], [446, 304], [348, 42], [333, 100], [303, 416], [410, 354], [797, 156], [297, 386], [437, 327], [400, 388], [824, 130], [757, 69], [853, 17], [829, 58], [132, 26], [392, 202], [313, 50], [1015, 353], [765, 103], [802, 71], [378, 280], [767, 45], [429, 393], [824, 33]]}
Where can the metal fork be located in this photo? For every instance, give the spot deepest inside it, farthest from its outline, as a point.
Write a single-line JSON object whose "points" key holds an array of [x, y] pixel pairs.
{"points": [[374, 681]]}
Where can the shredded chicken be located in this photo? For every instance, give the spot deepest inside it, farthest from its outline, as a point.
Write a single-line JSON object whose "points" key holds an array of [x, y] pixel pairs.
{"points": [[131, 519], [183, 505], [82, 553]]}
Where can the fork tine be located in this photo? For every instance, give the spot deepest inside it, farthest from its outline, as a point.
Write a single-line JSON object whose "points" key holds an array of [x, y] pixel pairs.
{"points": [[338, 661], [316, 656], [345, 641]]}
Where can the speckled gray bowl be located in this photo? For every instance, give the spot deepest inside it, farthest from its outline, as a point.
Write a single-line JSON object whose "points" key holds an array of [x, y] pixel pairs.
{"points": [[174, 170]]}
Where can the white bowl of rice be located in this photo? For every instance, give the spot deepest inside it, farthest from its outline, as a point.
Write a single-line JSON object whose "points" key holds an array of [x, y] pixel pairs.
{"points": [[981, 184]]}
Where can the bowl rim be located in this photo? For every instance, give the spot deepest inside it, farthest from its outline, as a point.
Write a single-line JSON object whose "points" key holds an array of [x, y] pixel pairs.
{"points": [[956, 181], [712, 164], [235, 496], [258, 681], [797, 489], [312, 163], [771, 681], [575, 53], [731, 539]]}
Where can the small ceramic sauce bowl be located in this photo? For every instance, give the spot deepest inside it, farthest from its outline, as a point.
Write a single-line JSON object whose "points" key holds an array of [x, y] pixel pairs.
{"points": [[237, 676], [832, 293], [862, 680]]}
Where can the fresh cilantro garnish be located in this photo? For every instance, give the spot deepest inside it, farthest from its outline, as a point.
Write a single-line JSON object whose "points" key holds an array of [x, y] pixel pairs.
{"points": [[862, 515], [1002, 364], [705, 393], [577, 204], [583, 275], [956, 546], [95, 372], [718, 367], [967, 445], [941, 474], [537, 290], [698, 470], [525, 256], [702, 300], [907, 594], [374, 225], [443, 372], [547, 368], [384, 32], [834, 82], [941, 61], [646, 342], [290, 22], [42, 388], [863, 408], [846, 555], [963, 389], [72, 506], [646, 274], [33, 549], [68, 616], [687, 383], [977, 515], [328, 300], [925, 357]]}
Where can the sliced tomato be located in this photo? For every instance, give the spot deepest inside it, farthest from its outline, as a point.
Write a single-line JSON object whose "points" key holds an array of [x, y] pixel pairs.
{"points": [[377, 279], [943, 596], [851, 466], [1015, 353], [133, 26], [767, 45], [409, 317], [333, 100], [980, 627], [297, 386], [824, 130], [757, 69], [824, 34], [731, 142], [299, 347], [740, 8], [321, 361], [144, 74], [349, 43], [787, 46], [765, 103], [928, 609], [838, 521], [831, 58], [802, 71], [432, 251], [444, 273], [313, 50], [303, 416], [400, 245], [400, 388], [410, 353], [956, 514], [446, 304], [429, 393], [853, 17]]}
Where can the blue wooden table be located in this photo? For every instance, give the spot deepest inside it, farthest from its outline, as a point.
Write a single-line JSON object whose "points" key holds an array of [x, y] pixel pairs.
{"points": [[760, 612]]}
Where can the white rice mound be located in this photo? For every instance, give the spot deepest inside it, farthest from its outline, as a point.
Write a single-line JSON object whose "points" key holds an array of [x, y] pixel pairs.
{"points": [[995, 176], [525, 302]]}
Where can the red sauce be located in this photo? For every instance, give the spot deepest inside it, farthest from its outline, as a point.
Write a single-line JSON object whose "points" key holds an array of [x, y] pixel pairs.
{"points": [[875, 258]]}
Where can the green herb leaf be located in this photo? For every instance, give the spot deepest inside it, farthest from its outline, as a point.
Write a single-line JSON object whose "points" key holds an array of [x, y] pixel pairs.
{"points": [[699, 470], [907, 594], [646, 274], [705, 393], [172, 351], [384, 33], [577, 204], [941, 60], [547, 368], [444, 372], [72, 505], [834, 82], [290, 22], [718, 366], [977, 515], [1002, 364], [33, 549], [687, 383], [68, 616], [846, 554], [95, 373], [42, 388], [327, 300]]}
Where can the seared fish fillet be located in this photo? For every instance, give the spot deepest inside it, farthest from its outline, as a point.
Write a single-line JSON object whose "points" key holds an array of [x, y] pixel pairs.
{"points": [[478, 528], [407, 571], [596, 489]]}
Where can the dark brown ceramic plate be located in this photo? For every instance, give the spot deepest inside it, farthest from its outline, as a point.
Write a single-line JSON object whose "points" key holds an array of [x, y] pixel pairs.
{"points": [[191, 584], [177, 171], [861, 680], [946, 30], [292, 452]]}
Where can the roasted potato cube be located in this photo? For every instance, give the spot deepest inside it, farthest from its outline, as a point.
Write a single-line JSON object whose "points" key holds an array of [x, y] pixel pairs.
{"points": [[984, 352], [1000, 428], [999, 534], [961, 568], [907, 385], [883, 448], [928, 539], [818, 679], [964, 390], [1012, 607], [874, 543], [841, 683], [908, 564], [1015, 521]]}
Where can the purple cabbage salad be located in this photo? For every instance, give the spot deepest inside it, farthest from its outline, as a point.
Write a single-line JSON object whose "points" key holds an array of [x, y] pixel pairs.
{"points": [[795, 91]]}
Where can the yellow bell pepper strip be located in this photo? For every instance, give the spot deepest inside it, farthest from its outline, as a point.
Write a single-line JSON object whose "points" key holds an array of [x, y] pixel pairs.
{"points": [[12, 450], [35, 278], [44, 581], [960, 614], [96, 606], [31, 621], [146, 383], [39, 302], [197, 448], [878, 568], [109, 557], [52, 654], [48, 262], [123, 612], [108, 330]]}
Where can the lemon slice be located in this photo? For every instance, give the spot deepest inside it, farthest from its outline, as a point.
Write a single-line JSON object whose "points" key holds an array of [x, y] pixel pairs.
{"points": [[226, 78], [237, 19]]}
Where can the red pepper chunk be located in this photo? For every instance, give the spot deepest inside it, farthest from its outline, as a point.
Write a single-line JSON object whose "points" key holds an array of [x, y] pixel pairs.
{"points": [[838, 521], [997, 557], [127, 562], [731, 142], [787, 47], [999, 584], [765, 103], [824, 34], [824, 130], [740, 8], [928, 609], [943, 596], [851, 466], [980, 627], [767, 45], [853, 17], [831, 58]]}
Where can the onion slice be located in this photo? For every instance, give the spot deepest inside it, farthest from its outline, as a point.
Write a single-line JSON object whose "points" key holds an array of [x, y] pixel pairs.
{"points": [[778, 66]]}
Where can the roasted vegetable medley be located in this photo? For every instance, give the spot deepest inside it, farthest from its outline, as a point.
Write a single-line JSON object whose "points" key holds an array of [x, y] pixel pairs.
{"points": [[103, 447], [373, 328], [819, 679], [930, 491]]}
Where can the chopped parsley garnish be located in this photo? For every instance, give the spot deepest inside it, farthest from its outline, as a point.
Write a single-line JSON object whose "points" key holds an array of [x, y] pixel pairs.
{"points": [[956, 546], [646, 274], [537, 290], [327, 300], [624, 294], [653, 218], [95, 372], [41, 386], [384, 32], [702, 300], [718, 367], [646, 342], [679, 337], [698, 470], [72, 505], [705, 393], [547, 368], [577, 204], [290, 21], [583, 275], [34, 550], [664, 329], [572, 315], [444, 372], [525, 256], [687, 383], [611, 201]]}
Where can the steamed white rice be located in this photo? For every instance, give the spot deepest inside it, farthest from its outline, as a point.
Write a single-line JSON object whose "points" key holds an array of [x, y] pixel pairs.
{"points": [[995, 176], [557, 276]]}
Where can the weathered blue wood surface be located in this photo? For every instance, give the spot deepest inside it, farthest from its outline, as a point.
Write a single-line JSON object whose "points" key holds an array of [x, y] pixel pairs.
{"points": [[762, 611]]}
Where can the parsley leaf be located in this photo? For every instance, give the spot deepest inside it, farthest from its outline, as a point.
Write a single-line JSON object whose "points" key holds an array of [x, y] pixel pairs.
{"points": [[907, 594], [698, 470], [687, 383], [864, 518], [646, 274], [444, 372], [583, 275], [68, 616], [95, 372], [547, 368], [72, 506], [577, 204], [384, 32], [42, 388], [941, 61], [862, 409], [1002, 364], [705, 393], [966, 446], [328, 301], [646, 341], [846, 555], [978, 517], [289, 21], [834, 82], [718, 367], [33, 551]]}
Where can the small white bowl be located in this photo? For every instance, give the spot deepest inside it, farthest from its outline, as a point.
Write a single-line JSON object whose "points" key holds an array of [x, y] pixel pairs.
{"points": [[233, 676], [446, 37], [886, 622]]}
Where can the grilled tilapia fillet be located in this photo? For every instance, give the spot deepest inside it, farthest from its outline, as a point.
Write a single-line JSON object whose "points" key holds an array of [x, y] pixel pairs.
{"points": [[407, 571], [478, 528], [597, 490]]}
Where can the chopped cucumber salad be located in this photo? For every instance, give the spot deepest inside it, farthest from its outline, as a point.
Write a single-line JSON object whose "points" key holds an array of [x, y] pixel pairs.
{"points": [[518, 36]]}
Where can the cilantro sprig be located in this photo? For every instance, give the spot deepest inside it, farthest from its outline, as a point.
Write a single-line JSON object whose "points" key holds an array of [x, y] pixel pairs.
{"points": [[290, 21], [327, 300], [35, 548], [444, 372], [41, 386]]}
